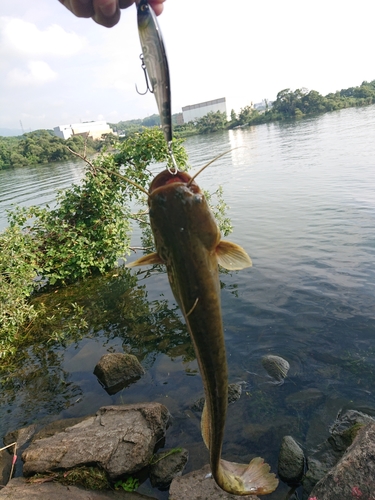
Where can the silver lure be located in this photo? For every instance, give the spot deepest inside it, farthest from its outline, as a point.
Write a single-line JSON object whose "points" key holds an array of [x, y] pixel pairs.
{"points": [[156, 62]]}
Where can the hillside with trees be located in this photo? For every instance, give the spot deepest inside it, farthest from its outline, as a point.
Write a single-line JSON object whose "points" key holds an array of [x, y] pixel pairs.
{"points": [[290, 104], [41, 146]]}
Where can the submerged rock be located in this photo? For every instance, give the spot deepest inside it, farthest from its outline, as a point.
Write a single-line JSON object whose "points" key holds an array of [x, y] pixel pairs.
{"points": [[166, 465], [291, 461], [304, 400], [234, 393], [119, 439], [276, 367], [117, 370]]}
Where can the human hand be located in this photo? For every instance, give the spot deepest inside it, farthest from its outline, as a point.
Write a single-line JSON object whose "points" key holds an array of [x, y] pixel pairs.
{"points": [[105, 12]]}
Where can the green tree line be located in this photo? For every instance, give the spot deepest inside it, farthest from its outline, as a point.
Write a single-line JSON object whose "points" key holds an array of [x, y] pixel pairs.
{"points": [[40, 146], [303, 102]]}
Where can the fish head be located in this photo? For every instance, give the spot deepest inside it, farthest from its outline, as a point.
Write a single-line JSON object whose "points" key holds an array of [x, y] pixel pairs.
{"points": [[179, 211]]}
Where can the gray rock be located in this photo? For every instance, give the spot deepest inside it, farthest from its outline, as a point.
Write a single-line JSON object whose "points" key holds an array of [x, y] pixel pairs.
{"points": [[315, 472], [234, 393], [353, 477], [345, 428], [291, 461], [119, 439], [197, 486], [276, 367], [166, 465], [21, 436], [19, 489], [305, 399], [330, 451], [58, 426], [117, 370], [5, 466]]}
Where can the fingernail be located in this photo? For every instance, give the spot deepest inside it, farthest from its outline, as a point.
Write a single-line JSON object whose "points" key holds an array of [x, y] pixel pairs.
{"points": [[108, 8]]}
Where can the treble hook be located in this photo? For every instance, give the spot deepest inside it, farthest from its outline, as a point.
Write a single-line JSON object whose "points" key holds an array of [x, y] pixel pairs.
{"points": [[148, 88]]}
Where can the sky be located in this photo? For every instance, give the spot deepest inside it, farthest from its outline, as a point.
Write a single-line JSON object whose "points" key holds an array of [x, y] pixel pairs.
{"points": [[58, 69]]}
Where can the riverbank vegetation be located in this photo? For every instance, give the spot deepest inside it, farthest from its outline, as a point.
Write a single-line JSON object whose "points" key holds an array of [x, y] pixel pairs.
{"points": [[41, 146], [83, 236]]}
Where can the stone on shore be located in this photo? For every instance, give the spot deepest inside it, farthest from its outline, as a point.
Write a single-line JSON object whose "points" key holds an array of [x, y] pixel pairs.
{"points": [[117, 370], [166, 465], [119, 439], [291, 461], [353, 477], [20, 489], [197, 486]]}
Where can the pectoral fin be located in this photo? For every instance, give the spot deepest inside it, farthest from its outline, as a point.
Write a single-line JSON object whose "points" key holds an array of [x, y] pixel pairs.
{"points": [[146, 260], [232, 256]]}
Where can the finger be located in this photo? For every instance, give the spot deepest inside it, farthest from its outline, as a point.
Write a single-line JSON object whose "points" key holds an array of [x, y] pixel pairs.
{"points": [[124, 4], [80, 8], [106, 12], [157, 6]]}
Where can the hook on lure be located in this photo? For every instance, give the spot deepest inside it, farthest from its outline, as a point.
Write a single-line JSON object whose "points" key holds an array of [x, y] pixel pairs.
{"points": [[148, 88]]}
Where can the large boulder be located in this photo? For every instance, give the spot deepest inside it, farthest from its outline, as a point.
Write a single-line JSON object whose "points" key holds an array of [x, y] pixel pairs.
{"points": [[119, 439], [354, 474]]}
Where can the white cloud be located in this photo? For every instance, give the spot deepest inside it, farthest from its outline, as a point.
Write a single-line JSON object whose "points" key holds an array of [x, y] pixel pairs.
{"points": [[37, 73], [25, 38]]}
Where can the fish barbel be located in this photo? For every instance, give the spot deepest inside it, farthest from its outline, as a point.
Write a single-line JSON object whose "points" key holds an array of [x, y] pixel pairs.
{"points": [[189, 243], [156, 61]]}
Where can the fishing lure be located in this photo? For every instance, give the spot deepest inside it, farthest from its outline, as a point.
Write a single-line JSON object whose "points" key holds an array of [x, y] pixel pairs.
{"points": [[154, 60]]}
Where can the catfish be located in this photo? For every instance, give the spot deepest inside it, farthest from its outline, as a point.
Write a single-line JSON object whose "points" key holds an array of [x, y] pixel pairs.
{"points": [[188, 242]]}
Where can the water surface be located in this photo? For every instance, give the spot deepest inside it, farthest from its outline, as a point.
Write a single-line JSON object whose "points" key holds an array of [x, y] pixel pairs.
{"points": [[302, 204]]}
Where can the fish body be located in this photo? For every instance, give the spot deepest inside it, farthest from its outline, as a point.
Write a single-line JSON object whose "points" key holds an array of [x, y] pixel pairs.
{"points": [[156, 61], [188, 242]]}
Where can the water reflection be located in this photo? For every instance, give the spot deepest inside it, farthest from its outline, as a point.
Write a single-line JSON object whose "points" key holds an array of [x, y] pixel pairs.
{"points": [[119, 316]]}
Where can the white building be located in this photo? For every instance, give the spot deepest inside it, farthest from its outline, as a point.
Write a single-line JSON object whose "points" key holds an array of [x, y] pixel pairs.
{"points": [[95, 130], [195, 111]]}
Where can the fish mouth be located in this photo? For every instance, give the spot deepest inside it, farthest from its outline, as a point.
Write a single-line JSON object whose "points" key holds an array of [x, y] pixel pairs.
{"points": [[165, 178]]}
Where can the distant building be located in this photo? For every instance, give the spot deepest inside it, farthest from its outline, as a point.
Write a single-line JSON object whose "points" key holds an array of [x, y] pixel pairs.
{"points": [[179, 119], [94, 130], [195, 111]]}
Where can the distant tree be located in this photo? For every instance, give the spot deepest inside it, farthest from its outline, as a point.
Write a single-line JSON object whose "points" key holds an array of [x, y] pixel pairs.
{"points": [[211, 122], [151, 121], [246, 114], [233, 116]]}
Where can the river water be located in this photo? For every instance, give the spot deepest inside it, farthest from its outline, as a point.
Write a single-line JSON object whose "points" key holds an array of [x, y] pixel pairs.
{"points": [[302, 203]]}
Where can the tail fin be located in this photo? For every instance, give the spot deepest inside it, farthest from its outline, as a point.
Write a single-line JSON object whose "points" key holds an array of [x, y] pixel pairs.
{"points": [[252, 479], [240, 479]]}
